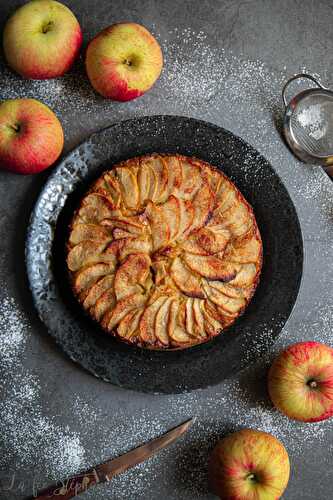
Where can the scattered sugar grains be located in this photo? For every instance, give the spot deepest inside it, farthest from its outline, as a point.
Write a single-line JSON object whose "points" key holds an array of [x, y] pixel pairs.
{"points": [[27, 435], [204, 81]]}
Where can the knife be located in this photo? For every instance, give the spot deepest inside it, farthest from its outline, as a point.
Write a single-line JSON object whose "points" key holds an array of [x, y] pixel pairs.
{"points": [[105, 472]]}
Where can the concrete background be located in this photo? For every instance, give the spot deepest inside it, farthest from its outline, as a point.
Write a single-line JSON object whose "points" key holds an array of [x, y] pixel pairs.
{"points": [[225, 62]]}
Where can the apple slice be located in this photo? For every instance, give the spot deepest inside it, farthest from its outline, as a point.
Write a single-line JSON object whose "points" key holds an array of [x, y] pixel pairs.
{"points": [[122, 308], [159, 228], [191, 180], [199, 324], [238, 219], [228, 304], [95, 207], [225, 197], [95, 292], [128, 326], [82, 232], [228, 290], [189, 317], [131, 274], [246, 276], [211, 267], [147, 322], [186, 281], [161, 322], [206, 241], [113, 187], [128, 186], [212, 325], [245, 250], [146, 182], [137, 245], [118, 233], [186, 217], [86, 252], [175, 332], [161, 172], [175, 177], [130, 224], [105, 303], [203, 204], [171, 213], [103, 188], [86, 278]]}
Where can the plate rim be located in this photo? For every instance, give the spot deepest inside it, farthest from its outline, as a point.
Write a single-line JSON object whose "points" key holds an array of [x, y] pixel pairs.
{"points": [[53, 175]]}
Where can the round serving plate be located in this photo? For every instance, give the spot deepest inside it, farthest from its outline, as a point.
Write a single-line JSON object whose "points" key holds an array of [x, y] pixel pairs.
{"points": [[175, 371]]}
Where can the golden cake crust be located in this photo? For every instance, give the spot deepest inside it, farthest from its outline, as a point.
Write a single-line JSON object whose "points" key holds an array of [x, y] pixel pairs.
{"points": [[164, 252]]}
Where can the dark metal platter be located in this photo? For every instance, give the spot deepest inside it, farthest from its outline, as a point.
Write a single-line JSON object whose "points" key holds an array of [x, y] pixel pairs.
{"points": [[197, 367]]}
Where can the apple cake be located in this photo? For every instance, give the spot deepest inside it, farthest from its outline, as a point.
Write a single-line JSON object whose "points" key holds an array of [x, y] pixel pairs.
{"points": [[164, 252]]}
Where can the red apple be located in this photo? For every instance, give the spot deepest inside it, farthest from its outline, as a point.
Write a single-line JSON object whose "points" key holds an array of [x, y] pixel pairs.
{"points": [[42, 39], [300, 381], [249, 465], [123, 61], [31, 136]]}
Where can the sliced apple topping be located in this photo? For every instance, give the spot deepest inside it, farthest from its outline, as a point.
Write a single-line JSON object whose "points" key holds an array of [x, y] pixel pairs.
{"points": [[171, 213], [86, 252], [122, 308], [147, 183], [191, 180], [161, 172], [129, 325], [199, 324], [164, 251], [176, 332], [186, 218], [131, 275], [130, 224], [188, 282], [160, 230], [203, 204], [245, 250], [175, 172], [95, 292], [161, 322], [206, 241], [105, 303], [246, 276], [128, 186], [228, 304], [82, 232], [86, 278], [211, 267], [147, 322]]}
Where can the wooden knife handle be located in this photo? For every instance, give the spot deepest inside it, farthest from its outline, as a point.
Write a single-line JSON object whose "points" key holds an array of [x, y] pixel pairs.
{"points": [[70, 488]]}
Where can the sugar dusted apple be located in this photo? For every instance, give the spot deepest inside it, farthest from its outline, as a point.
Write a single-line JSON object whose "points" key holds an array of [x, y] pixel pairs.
{"points": [[155, 254], [31, 136], [42, 39], [123, 61], [249, 465], [300, 382]]}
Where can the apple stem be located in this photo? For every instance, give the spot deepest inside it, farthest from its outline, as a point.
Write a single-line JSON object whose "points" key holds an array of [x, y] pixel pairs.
{"points": [[251, 476], [313, 384]]}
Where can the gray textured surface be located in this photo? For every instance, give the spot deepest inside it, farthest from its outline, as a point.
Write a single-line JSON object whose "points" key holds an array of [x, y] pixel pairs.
{"points": [[208, 46]]}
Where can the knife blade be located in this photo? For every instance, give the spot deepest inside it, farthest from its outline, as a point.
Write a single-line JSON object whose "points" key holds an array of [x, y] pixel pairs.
{"points": [[77, 484]]}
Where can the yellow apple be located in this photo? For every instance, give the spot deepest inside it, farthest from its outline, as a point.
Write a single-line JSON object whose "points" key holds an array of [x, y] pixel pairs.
{"points": [[42, 39], [123, 61], [300, 382], [249, 465]]}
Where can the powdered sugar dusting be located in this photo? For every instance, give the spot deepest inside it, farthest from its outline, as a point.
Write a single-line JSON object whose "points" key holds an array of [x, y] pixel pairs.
{"points": [[209, 83]]}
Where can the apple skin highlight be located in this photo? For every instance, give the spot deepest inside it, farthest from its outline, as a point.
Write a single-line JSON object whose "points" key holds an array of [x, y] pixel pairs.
{"points": [[31, 136], [249, 465], [123, 61], [300, 382], [42, 39]]}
